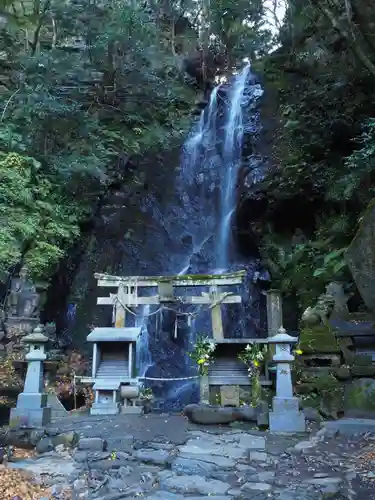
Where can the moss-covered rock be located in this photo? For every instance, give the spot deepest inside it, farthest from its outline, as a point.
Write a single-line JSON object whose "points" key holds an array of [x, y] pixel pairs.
{"points": [[362, 360], [363, 371], [343, 373], [330, 391], [360, 397], [318, 339]]}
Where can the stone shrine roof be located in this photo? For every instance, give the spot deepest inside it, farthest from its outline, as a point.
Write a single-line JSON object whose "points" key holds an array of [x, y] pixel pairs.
{"points": [[108, 334], [35, 338]]}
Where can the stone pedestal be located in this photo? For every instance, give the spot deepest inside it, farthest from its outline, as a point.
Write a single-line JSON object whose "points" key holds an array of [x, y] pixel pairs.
{"points": [[286, 416], [32, 407]]}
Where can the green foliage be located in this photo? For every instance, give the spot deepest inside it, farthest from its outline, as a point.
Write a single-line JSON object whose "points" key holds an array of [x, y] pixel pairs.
{"points": [[304, 269], [35, 219], [202, 354], [358, 179], [83, 85], [239, 28], [324, 153]]}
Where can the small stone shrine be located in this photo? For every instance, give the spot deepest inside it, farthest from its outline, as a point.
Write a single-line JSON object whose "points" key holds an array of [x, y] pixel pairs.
{"points": [[31, 409], [113, 369]]}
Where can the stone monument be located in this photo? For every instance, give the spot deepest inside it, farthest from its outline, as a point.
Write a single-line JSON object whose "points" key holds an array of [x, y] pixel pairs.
{"points": [[31, 409], [22, 306], [274, 312], [286, 415]]}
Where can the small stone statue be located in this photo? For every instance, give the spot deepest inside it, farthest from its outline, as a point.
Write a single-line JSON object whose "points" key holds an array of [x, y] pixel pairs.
{"points": [[340, 308], [23, 298], [321, 312]]}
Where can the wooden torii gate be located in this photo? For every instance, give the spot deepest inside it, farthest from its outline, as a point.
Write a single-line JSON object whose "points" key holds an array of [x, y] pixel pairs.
{"points": [[128, 294]]}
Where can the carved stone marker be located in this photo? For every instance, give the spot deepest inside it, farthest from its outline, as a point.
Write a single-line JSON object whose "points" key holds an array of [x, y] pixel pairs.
{"points": [[274, 312], [230, 395]]}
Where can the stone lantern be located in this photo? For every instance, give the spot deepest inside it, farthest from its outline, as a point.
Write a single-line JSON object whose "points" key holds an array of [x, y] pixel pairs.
{"points": [[31, 409], [286, 415]]}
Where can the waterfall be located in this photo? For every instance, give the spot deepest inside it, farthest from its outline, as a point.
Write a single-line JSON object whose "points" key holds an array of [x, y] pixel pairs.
{"points": [[197, 227], [231, 158], [143, 353]]}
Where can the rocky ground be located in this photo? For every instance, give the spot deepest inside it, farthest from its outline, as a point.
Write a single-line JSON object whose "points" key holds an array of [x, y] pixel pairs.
{"points": [[159, 457]]}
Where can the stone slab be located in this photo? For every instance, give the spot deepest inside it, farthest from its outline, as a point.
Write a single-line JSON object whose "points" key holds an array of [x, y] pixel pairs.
{"points": [[131, 410], [350, 426], [193, 484], [203, 447]]}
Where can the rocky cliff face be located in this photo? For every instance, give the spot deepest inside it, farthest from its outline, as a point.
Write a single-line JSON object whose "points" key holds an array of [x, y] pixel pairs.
{"points": [[153, 231]]}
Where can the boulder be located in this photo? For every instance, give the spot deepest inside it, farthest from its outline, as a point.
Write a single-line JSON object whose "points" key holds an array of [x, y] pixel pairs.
{"points": [[360, 257], [312, 414], [218, 415], [210, 415], [359, 398], [24, 438], [29, 438]]}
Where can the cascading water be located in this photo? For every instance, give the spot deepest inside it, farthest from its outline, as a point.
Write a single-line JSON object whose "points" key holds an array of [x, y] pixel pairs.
{"points": [[198, 226], [231, 158]]}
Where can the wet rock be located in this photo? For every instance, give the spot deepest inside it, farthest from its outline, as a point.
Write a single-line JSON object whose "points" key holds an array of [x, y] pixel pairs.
{"points": [[256, 487], [303, 446], [23, 438], [251, 442], [312, 414], [156, 457], [263, 477], [124, 444], [67, 439], [259, 456], [193, 484], [246, 413], [90, 456], [44, 445], [324, 481], [92, 444], [36, 435], [207, 447], [200, 466]]}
